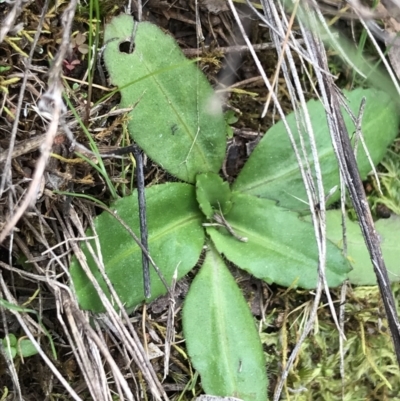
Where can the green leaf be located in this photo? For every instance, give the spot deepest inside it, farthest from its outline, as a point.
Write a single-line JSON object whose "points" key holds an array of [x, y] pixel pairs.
{"points": [[4, 68], [280, 249], [363, 272], [229, 132], [221, 335], [272, 172], [213, 194], [230, 117], [12, 339], [176, 238], [11, 348], [177, 119], [8, 305], [26, 348]]}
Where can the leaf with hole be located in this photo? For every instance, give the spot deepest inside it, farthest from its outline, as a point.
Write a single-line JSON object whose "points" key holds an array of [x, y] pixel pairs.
{"points": [[272, 171], [221, 335], [176, 238], [280, 249], [177, 119]]}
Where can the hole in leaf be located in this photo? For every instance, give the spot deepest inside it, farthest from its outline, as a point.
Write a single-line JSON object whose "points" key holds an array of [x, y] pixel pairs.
{"points": [[124, 47]]}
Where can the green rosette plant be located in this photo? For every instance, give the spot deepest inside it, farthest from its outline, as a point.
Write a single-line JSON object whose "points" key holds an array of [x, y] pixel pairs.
{"points": [[177, 121]]}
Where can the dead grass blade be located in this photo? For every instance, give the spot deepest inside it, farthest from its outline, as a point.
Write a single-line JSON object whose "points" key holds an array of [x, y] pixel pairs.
{"points": [[348, 168], [274, 17], [8, 22], [25, 322], [119, 325], [50, 103]]}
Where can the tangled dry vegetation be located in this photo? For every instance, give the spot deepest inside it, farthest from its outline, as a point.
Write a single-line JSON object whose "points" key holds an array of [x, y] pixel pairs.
{"points": [[53, 88]]}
